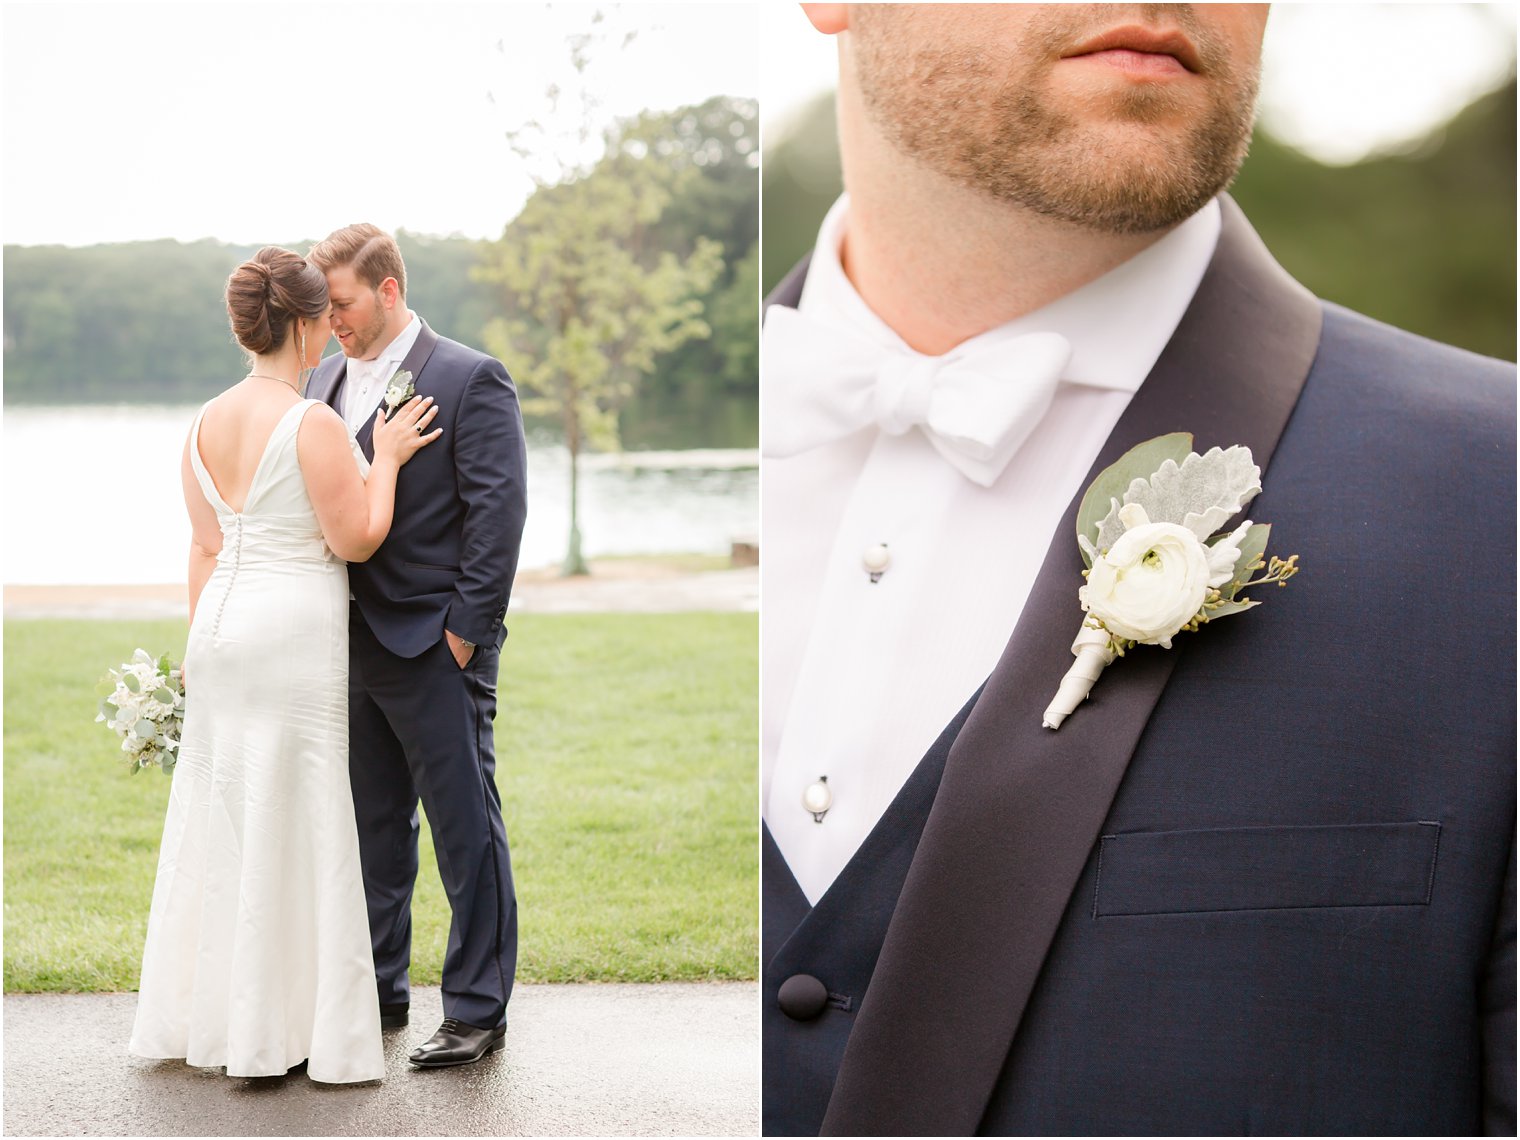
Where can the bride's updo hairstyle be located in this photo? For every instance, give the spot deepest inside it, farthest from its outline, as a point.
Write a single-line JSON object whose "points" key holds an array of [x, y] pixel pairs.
{"points": [[266, 293]]}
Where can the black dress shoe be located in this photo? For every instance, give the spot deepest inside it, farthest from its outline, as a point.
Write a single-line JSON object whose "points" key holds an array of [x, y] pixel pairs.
{"points": [[456, 1043], [394, 1016]]}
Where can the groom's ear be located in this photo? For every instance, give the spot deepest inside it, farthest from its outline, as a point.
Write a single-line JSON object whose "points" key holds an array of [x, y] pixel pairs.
{"points": [[390, 292]]}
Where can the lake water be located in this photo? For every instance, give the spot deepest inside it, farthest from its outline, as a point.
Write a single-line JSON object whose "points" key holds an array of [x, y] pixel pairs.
{"points": [[92, 496]]}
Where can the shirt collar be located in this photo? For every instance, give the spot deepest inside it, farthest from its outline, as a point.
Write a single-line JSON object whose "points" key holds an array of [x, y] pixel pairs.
{"points": [[1117, 324]]}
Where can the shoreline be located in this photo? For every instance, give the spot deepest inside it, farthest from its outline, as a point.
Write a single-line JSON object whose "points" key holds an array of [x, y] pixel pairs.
{"points": [[661, 584]]}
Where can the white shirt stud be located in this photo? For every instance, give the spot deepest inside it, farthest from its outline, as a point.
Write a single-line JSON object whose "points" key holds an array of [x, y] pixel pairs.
{"points": [[876, 559], [818, 799]]}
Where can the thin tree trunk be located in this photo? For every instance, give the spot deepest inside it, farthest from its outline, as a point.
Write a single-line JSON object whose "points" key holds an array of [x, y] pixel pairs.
{"points": [[574, 563]]}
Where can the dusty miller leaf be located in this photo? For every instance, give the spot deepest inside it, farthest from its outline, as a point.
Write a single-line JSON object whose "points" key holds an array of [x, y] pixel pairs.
{"points": [[1201, 493], [1102, 497]]}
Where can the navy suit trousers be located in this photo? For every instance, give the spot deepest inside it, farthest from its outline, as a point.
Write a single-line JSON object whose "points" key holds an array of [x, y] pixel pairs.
{"points": [[421, 728]]}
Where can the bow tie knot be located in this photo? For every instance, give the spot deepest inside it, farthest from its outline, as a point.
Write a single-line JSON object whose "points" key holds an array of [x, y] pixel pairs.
{"points": [[903, 392], [976, 407]]}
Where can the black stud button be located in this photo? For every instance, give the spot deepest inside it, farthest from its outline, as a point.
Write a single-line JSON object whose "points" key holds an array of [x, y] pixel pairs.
{"points": [[802, 997]]}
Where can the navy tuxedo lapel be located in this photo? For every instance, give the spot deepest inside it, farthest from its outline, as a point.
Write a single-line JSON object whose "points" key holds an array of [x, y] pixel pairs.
{"points": [[1019, 806], [414, 362], [327, 381], [789, 292]]}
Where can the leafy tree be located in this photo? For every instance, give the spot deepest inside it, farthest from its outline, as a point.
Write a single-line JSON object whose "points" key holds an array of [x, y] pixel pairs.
{"points": [[590, 294], [591, 301], [734, 312], [707, 388]]}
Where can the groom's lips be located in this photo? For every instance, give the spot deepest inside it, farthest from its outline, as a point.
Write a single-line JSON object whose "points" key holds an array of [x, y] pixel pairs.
{"points": [[1152, 52]]}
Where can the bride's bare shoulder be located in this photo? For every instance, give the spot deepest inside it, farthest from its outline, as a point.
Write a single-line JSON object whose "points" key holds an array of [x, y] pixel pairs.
{"points": [[322, 431], [322, 418]]}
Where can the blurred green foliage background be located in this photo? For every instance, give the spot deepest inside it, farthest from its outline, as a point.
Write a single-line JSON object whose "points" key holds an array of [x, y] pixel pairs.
{"points": [[1423, 239]]}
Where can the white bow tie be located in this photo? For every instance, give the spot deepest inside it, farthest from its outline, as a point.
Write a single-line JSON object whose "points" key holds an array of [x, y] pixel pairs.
{"points": [[977, 408], [366, 371]]}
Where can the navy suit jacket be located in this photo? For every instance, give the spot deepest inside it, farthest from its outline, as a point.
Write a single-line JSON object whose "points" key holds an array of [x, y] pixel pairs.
{"points": [[461, 501], [1262, 882]]}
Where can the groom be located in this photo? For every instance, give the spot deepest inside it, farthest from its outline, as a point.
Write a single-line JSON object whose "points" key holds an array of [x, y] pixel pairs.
{"points": [[425, 632], [1262, 881]]}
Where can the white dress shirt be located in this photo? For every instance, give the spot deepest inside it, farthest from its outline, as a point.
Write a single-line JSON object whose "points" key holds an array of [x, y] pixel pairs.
{"points": [[366, 380], [858, 679]]}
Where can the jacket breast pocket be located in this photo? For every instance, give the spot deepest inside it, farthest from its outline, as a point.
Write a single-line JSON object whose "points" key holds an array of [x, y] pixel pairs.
{"points": [[1266, 868], [430, 566]]}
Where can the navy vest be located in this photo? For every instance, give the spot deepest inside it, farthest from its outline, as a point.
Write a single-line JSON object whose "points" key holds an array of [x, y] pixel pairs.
{"points": [[836, 942]]}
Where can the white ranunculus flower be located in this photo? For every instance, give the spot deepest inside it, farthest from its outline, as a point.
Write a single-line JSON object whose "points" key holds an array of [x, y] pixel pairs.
{"points": [[1150, 584]]}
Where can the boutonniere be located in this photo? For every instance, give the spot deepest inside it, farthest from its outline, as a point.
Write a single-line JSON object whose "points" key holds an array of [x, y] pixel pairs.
{"points": [[1157, 563], [398, 391]]}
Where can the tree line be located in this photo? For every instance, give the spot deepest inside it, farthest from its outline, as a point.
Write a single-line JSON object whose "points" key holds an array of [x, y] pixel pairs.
{"points": [[145, 322]]}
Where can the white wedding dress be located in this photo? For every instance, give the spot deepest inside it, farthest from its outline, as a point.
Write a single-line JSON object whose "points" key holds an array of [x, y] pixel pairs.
{"points": [[258, 949]]}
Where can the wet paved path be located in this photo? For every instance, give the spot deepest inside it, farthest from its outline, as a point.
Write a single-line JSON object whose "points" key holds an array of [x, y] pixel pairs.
{"points": [[581, 1060]]}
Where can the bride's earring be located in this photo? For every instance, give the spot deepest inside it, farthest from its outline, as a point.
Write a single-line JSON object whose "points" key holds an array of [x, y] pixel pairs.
{"points": [[301, 369]]}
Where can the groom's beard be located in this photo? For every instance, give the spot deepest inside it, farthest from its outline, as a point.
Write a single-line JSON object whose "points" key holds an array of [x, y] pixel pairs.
{"points": [[364, 338], [989, 117]]}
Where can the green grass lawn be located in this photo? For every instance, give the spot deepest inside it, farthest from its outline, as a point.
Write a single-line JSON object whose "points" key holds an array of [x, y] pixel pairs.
{"points": [[625, 755]]}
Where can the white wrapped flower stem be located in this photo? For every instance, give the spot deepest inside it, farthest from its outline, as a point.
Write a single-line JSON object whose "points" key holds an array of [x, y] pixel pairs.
{"points": [[1093, 651]]}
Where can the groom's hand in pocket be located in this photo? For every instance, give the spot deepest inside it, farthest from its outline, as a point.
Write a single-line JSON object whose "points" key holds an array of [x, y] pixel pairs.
{"points": [[460, 648]]}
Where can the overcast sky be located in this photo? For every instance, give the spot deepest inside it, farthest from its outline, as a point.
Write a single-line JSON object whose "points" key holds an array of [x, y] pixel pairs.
{"points": [[271, 121], [268, 122]]}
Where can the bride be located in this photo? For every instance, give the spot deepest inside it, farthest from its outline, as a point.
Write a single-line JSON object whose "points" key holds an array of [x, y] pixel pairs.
{"points": [[258, 948]]}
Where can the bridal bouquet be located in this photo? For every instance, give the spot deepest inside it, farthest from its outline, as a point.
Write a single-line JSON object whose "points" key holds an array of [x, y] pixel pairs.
{"points": [[146, 709]]}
